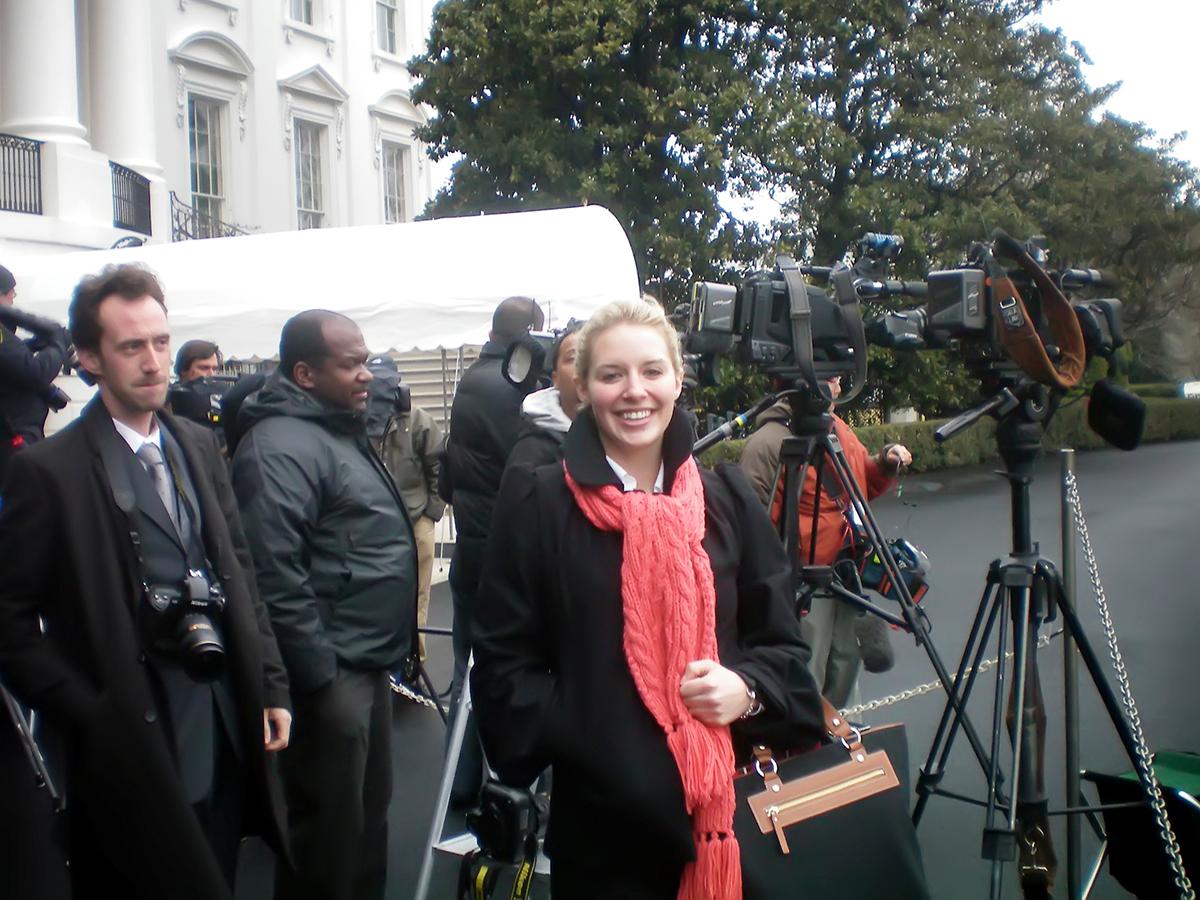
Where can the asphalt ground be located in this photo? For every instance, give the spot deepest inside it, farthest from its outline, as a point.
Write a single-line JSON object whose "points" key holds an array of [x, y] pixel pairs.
{"points": [[1142, 511]]}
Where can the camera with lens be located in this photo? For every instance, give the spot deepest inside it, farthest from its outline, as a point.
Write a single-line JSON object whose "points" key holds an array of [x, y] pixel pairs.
{"points": [[964, 311], [797, 332], [199, 400], [529, 361], [180, 621], [507, 821]]}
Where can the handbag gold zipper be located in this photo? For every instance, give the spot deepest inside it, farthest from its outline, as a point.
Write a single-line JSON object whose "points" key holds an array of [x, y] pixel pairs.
{"points": [[773, 812]]}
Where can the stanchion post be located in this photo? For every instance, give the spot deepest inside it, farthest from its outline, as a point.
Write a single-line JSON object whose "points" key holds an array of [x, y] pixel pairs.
{"points": [[1070, 683]]}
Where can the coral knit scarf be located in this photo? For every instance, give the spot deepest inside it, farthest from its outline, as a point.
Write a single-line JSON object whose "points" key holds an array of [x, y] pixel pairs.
{"points": [[669, 603]]}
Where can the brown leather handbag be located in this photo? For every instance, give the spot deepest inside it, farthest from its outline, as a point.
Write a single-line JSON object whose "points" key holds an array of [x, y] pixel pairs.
{"points": [[830, 823]]}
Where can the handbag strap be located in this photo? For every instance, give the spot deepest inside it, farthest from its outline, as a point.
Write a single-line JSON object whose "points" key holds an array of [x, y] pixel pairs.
{"points": [[837, 728]]}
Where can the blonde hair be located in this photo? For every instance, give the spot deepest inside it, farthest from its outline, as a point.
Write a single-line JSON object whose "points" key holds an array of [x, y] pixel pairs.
{"points": [[646, 312]]}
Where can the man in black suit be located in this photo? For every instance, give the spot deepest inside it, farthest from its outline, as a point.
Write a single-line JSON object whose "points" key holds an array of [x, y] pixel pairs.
{"points": [[108, 532]]}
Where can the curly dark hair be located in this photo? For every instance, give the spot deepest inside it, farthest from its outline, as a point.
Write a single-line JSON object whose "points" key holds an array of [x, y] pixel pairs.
{"points": [[129, 281]]}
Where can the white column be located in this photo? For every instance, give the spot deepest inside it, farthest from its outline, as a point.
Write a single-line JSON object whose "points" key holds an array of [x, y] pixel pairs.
{"points": [[122, 82], [38, 74]]}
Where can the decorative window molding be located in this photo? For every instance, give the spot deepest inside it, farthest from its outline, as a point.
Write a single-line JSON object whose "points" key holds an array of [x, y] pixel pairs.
{"points": [[291, 28], [231, 8], [317, 83], [395, 118], [213, 51], [313, 96], [287, 121], [379, 58], [398, 105], [180, 95], [243, 95]]}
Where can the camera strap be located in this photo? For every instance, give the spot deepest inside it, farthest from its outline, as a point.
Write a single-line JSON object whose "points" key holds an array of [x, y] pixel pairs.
{"points": [[1017, 331], [478, 874], [800, 313]]}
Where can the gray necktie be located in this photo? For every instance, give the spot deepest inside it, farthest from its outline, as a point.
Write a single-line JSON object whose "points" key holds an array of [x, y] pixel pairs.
{"points": [[152, 459]]}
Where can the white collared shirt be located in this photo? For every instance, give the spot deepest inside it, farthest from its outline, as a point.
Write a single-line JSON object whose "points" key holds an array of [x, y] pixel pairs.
{"points": [[135, 440], [628, 482]]}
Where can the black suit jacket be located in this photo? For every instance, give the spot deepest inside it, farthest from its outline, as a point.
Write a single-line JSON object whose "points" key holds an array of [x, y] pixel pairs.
{"points": [[67, 557]]}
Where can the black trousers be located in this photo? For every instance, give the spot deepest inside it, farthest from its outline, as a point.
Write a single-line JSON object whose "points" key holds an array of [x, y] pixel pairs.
{"points": [[614, 880], [337, 772]]}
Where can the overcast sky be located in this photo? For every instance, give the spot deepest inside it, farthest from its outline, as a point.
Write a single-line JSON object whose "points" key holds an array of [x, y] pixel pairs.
{"points": [[1150, 47]]}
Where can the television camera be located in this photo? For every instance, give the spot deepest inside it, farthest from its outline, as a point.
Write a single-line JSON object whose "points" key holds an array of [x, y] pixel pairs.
{"points": [[1003, 322], [997, 318]]}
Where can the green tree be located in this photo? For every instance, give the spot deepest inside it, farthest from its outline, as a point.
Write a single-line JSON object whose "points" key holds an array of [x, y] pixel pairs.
{"points": [[937, 119], [631, 104], [944, 119]]}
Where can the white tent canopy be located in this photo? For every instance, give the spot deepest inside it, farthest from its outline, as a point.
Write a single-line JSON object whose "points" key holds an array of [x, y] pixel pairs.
{"points": [[426, 284]]}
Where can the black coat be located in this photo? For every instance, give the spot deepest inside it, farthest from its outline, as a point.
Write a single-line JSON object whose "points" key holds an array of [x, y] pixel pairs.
{"points": [[68, 558], [25, 379], [551, 684], [332, 542], [485, 421]]}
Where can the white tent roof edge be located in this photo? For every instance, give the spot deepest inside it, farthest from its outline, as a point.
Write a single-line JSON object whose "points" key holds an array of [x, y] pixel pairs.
{"points": [[421, 285]]}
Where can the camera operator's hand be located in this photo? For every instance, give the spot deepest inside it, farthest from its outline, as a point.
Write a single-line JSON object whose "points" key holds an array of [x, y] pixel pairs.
{"points": [[893, 458], [712, 693], [277, 728]]}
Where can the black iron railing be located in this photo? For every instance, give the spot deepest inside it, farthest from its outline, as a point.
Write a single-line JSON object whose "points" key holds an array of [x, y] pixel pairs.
{"points": [[190, 224], [20, 174], [131, 199]]}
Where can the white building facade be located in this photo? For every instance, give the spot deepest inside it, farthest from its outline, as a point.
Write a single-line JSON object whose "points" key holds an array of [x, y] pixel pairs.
{"points": [[164, 120]]}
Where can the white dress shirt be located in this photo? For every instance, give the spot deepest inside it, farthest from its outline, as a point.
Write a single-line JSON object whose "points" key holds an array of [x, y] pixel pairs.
{"points": [[628, 482]]}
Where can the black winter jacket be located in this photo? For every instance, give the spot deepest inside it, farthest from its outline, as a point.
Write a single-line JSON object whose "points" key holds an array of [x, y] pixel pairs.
{"points": [[25, 379], [332, 542], [485, 421], [551, 684], [544, 428]]}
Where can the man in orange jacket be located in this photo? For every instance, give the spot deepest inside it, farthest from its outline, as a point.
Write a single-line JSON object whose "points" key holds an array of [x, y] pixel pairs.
{"points": [[828, 627]]}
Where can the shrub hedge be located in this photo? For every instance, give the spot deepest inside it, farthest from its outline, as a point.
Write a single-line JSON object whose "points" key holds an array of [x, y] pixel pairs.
{"points": [[1166, 420]]}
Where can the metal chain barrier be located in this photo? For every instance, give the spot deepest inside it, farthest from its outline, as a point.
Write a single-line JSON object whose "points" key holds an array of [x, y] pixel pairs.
{"points": [[1144, 763], [399, 687], [927, 687]]}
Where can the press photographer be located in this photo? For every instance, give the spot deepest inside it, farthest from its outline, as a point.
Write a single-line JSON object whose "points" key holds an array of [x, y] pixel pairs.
{"points": [[27, 372], [842, 637]]}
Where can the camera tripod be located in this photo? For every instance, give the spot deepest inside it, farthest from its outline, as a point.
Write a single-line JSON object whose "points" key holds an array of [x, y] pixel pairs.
{"points": [[29, 744], [814, 442], [1026, 588]]}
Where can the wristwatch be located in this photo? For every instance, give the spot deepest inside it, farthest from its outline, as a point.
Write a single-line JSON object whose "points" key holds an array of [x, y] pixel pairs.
{"points": [[755, 706]]}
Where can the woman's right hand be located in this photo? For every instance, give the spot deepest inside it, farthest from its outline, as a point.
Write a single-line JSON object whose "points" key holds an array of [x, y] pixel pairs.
{"points": [[712, 693]]}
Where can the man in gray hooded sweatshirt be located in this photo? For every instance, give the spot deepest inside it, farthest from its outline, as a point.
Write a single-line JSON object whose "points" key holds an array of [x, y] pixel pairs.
{"points": [[547, 414], [336, 561]]}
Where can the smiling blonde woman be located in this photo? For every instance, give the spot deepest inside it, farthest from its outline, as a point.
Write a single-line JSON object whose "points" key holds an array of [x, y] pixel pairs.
{"points": [[634, 631]]}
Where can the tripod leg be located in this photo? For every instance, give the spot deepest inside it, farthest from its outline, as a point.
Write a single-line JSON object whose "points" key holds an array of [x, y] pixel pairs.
{"points": [[1037, 864], [447, 784], [916, 625], [947, 729], [424, 679]]}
